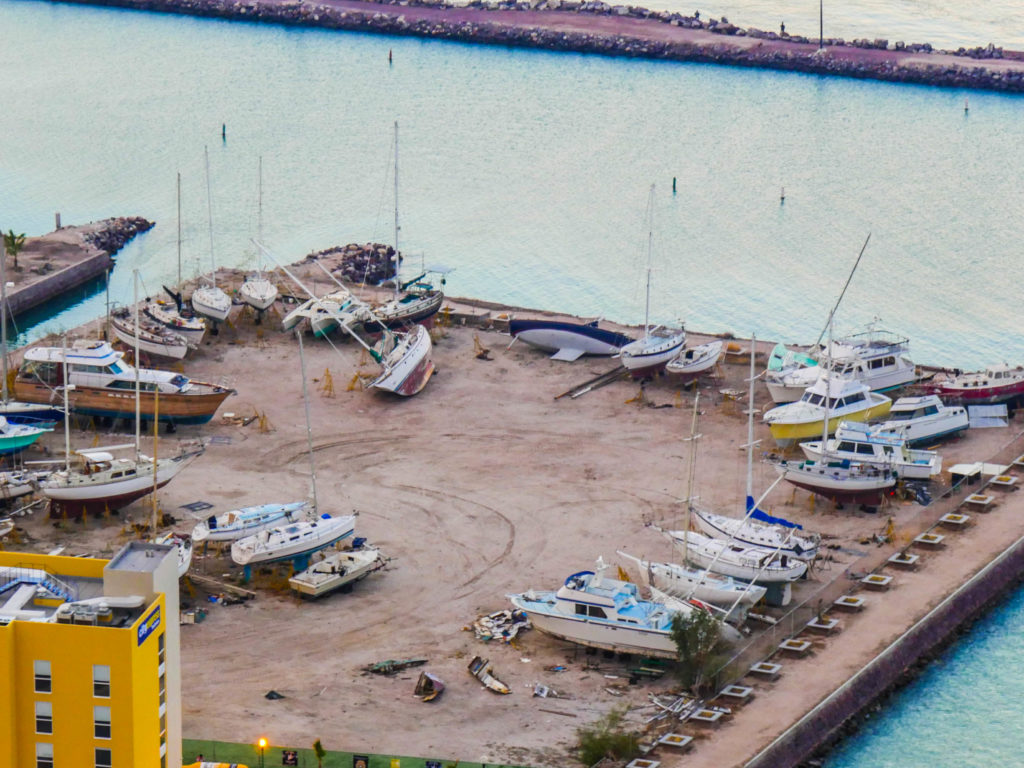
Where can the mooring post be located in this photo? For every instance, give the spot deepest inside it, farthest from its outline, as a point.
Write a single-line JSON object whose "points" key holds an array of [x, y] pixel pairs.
{"points": [[224, 131], [673, 185], [56, 216]]}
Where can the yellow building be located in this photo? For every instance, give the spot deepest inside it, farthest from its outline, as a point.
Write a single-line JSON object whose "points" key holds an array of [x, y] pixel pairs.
{"points": [[89, 660]]}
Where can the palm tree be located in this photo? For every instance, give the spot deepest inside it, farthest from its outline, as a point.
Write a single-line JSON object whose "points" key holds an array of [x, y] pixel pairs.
{"points": [[13, 244]]}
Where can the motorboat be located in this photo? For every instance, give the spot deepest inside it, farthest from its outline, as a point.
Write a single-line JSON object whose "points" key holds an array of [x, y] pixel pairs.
{"points": [[286, 542], [104, 385], [693, 361], [865, 444], [339, 570], [746, 532], [995, 384], [239, 523], [925, 419], [684, 581], [151, 337], [841, 398], [407, 365], [94, 482], [14, 438], [840, 481], [741, 561], [567, 340], [183, 543], [593, 610], [879, 359]]}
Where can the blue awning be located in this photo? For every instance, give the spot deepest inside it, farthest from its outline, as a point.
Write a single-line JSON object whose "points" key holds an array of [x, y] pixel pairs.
{"points": [[764, 517]]}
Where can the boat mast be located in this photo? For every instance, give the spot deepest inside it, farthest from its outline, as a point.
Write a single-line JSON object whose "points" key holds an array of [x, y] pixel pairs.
{"points": [[650, 250], [309, 429], [397, 227], [828, 323], [209, 214], [138, 405], [259, 215], [3, 311], [750, 424], [179, 231], [828, 386], [67, 408], [692, 474]]}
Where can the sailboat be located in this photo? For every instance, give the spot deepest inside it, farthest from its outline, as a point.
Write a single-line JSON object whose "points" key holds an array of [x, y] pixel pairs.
{"points": [[172, 315], [209, 300], [99, 482], [256, 290], [405, 357], [152, 338], [658, 346], [415, 301], [775, 534], [839, 481], [300, 539], [239, 523]]}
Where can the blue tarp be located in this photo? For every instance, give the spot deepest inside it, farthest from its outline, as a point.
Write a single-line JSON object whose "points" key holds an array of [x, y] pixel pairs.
{"points": [[764, 517]]}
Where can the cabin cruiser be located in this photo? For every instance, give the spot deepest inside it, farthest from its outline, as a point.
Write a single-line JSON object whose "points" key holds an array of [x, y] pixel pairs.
{"points": [[925, 419], [870, 445]]}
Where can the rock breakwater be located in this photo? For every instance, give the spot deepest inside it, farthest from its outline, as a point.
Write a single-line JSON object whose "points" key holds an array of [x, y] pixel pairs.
{"points": [[622, 30]]}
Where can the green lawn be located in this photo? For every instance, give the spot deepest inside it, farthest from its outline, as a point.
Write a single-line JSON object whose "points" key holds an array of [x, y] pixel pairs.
{"points": [[248, 754]]}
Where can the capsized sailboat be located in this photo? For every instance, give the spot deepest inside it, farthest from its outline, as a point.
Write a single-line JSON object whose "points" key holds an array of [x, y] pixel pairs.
{"points": [[566, 339]]}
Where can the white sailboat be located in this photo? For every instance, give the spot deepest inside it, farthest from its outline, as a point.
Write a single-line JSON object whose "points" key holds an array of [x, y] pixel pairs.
{"points": [[150, 337], [773, 534], [169, 314], [239, 523], [209, 300], [296, 540], [652, 352], [256, 290], [740, 561]]}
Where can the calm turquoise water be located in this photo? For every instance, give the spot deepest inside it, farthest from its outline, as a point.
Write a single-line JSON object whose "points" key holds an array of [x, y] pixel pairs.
{"points": [[964, 710], [528, 172]]}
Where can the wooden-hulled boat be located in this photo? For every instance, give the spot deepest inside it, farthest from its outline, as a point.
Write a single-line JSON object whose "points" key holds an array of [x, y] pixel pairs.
{"points": [[104, 385]]}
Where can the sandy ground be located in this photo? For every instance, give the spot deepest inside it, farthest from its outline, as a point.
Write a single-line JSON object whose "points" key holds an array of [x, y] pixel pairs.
{"points": [[480, 486]]}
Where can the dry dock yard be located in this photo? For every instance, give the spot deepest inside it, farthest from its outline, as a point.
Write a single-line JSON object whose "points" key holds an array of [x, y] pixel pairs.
{"points": [[483, 485]]}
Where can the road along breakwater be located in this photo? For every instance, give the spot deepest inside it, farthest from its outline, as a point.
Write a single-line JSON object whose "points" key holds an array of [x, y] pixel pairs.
{"points": [[630, 31], [51, 264]]}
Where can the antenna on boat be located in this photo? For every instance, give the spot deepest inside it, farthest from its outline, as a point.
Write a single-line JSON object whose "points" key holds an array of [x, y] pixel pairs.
{"points": [[309, 429], [843, 292]]}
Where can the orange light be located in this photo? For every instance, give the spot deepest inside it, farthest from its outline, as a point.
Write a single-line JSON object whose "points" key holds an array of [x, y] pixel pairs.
{"points": [[263, 743]]}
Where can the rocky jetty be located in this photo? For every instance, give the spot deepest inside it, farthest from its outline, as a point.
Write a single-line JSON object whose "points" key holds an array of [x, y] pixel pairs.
{"points": [[370, 264], [621, 30], [111, 235]]}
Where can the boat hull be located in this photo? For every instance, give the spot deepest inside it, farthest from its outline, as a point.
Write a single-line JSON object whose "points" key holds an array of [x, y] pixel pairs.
{"points": [[120, 403], [594, 634], [716, 527], [911, 470], [650, 356], [555, 335], [168, 317], [258, 293], [250, 520], [410, 374], [170, 350], [342, 528], [869, 491], [211, 302], [77, 500], [19, 442], [348, 568], [420, 309], [689, 366], [787, 434], [981, 395]]}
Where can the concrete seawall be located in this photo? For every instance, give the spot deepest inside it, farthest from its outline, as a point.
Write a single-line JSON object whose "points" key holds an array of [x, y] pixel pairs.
{"points": [[595, 27], [65, 259], [824, 724]]}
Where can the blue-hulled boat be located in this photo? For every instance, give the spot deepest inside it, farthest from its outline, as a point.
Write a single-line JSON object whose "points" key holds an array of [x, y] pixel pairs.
{"points": [[568, 340]]}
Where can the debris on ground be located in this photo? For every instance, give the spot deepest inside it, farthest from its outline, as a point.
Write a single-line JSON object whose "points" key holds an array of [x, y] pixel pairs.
{"points": [[501, 625]]}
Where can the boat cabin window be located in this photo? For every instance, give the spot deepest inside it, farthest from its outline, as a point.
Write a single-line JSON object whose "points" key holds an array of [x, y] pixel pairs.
{"points": [[854, 399], [77, 368], [930, 410], [848, 447], [812, 398], [590, 610], [45, 372], [865, 448]]}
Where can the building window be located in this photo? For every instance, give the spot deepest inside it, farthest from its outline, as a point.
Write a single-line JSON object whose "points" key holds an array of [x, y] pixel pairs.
{"points": [[101, 681], [101, 722], [44, 683], [103, 759], [44, 717], [44, 755]]}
